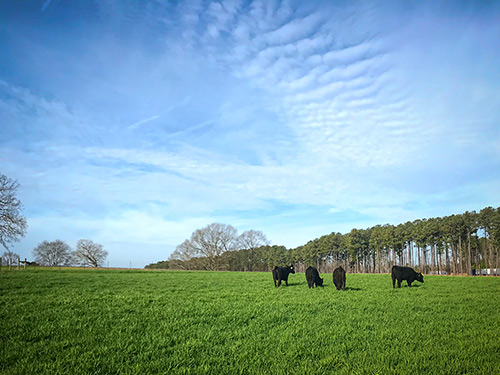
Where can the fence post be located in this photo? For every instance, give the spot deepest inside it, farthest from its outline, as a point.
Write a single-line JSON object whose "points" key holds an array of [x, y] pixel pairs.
{"points": [[0, 263], [25, 261], [18, 263]]}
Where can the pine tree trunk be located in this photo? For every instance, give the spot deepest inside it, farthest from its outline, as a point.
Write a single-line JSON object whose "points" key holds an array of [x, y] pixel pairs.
{"points": [[425, 259], [410, 262], [404, 253], [460, 255], [496, 264], [469, 256], [453, 259], [478, 259], [491, 262], [447, 258], [433, 268], [438, 261]]}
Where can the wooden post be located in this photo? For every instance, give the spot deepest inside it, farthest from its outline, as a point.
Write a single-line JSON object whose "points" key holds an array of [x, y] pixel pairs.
{"points": [[18, 263], [25, 261], [0, 263]]}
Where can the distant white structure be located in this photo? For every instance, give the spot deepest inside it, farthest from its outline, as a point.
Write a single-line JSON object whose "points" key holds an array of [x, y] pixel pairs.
{"points": [[438, 273], [486, 272]]}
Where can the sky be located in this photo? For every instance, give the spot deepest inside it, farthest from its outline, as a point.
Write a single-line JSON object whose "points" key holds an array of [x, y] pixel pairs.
{"points": [[134, 123]]}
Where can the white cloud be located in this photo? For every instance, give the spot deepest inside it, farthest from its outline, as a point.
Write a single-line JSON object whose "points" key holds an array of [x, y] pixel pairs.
{"points": [[135, 125], [296, 30], [227, 110]]}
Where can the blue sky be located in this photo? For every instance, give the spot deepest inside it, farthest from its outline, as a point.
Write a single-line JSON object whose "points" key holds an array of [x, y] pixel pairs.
{"points": [[135, 123]]}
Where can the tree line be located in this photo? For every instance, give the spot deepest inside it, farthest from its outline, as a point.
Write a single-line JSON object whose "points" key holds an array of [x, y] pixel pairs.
{"points": [[218, 247], [13, 226], [58, 253], [458, 244]]}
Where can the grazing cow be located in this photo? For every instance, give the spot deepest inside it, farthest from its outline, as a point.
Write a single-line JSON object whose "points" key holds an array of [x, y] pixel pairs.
{"points": [[405, 273], [312, 277], [281, 273], [339, 278]]}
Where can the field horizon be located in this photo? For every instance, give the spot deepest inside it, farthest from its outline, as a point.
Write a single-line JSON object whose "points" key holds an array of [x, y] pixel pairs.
{"points": [[75, 320]]}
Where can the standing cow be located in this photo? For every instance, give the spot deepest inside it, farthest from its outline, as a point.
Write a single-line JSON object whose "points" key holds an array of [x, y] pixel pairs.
{"points": [[405, 273], [339, 278], [281, 273], [312, 277]]}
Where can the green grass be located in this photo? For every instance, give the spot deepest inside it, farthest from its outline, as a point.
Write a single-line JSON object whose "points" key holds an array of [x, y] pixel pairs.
{"points": [[137, 322]]}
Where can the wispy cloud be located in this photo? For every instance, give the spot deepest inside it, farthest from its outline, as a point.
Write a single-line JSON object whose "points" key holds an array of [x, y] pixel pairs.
{"points": [[285, 117], [45, 5], [135, 125]]}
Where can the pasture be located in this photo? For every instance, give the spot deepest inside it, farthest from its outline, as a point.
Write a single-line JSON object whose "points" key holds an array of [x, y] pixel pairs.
{"points": [[143, 322]]}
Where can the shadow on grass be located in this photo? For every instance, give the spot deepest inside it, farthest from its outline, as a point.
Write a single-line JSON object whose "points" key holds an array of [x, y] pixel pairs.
{"points": [[283, 285], [411, 287], [333, 287], [291, 284], [347, 289], [294, 284]]}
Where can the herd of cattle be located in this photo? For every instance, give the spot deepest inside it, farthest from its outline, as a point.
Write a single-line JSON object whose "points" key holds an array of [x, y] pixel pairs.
{"points": [[312, 276]]}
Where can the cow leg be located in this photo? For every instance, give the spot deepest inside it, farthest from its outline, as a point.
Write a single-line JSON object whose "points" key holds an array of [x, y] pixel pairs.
{"points": [[286, 282], [393, 282], [399, 283], [279, 281], [409, 283]]}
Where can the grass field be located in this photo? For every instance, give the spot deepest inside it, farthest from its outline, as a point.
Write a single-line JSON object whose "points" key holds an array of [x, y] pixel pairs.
{"points": [[138, 322]]}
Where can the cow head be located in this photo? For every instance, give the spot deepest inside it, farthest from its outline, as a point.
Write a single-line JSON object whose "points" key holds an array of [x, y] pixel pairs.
{"points": [[319, 282], [292, 269], [420, 277]]}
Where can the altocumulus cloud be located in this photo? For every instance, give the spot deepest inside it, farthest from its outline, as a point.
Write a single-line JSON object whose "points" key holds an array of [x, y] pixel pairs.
{"points": [[136, 123]]}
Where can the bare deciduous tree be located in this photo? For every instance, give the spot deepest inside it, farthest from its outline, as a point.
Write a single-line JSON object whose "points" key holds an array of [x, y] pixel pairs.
{"points": [[89, 253], [9, 258], [206, 246], [212, 241], [184, 252], [53, 253], [251, 240], [12, 224]]}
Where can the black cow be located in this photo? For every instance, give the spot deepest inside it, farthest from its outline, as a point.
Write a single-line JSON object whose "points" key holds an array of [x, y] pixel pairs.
{"points": [[281, 273], [339, 278], [405, 273], [312, 277]]}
